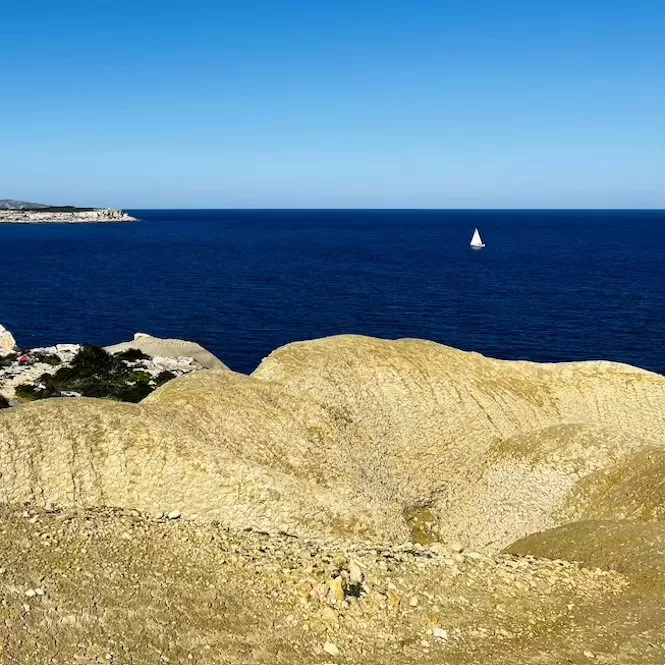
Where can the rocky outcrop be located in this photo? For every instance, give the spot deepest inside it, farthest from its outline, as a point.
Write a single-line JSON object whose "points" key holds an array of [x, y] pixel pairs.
{"points": [[256, 458], [7, 341], [635, 549], [70, 217], [348, 437], [357, 447], [490, 450], [172, 357], [169, 348]]}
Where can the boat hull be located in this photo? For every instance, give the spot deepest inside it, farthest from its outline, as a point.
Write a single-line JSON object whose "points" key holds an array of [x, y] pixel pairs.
{"points": [[477, 246]]}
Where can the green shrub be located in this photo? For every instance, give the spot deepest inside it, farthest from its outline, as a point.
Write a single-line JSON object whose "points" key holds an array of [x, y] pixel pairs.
{"points": [[93, 373], [133, 393], [139, 377], [132, 354], [163, 377], [9, 359], [27, 391], [94, 360], [48, 358]]}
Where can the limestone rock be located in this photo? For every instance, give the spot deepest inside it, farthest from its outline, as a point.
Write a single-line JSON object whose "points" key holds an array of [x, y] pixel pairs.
{"points": [[169, 348], [331, 649], [7, 341], [489, 451]]}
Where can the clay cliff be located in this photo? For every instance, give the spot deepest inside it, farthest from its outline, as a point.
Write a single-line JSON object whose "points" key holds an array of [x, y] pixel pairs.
{"points": [[398, 470]]}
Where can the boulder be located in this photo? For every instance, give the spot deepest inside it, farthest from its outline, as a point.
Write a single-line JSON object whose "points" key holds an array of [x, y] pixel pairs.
{"points": [[7, 341]]}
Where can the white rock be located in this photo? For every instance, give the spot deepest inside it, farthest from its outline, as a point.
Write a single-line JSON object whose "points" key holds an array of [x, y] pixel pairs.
{"points": [[440, 633], [174, 515], [67, 348], [331, 649], [7, 341], [355, 573]]}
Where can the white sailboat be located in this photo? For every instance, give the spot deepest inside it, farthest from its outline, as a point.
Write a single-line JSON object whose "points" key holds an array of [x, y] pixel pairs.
{"points": [[476, 240]]}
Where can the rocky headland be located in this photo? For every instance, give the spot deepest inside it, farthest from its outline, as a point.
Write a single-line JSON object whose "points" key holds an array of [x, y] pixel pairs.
{"points": [[354, 500], [66, 217]]}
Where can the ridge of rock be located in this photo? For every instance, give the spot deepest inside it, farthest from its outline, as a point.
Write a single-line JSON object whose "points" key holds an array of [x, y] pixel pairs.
{"points": [[169, 348], [349, 437]]}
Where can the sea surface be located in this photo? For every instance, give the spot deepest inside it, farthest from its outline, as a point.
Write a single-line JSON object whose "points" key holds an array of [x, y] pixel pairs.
{"points": [[550, 285]]}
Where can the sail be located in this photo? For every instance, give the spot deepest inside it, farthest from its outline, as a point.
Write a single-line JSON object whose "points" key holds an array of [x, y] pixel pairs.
{"points": [[477, 241]]}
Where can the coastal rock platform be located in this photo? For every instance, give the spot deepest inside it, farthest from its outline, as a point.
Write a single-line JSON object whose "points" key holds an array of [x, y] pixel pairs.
{"points": [[169, 348], [353, 500]]}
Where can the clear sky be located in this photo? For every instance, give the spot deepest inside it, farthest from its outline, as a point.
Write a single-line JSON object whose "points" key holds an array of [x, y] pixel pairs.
{"points": [[346, 103]]}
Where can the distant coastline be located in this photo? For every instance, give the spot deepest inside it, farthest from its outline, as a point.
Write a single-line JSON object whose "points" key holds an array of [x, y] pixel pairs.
{"points": [[22, 212], [43, 217]]}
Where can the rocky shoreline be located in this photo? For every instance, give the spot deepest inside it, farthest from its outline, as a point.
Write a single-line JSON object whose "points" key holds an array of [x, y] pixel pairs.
{"points": [[75, 217]]}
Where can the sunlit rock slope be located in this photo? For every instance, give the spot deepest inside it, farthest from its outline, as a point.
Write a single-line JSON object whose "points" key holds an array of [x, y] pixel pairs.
{"points": [[357, 437], [348, 502]]}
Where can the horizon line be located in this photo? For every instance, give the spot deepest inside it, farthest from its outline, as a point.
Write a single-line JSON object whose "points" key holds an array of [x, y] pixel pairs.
{"points": [[342, 209]]}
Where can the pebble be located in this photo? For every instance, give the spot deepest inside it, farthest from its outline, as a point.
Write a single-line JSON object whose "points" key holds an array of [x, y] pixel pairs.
{"points": [[590, 655], [331, 649], [337, 591], [440, 633], [355, 573], [174, 515]]}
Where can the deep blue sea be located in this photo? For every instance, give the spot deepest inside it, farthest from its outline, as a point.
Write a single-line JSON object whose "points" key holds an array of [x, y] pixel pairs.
{"points": [[550, 286]]}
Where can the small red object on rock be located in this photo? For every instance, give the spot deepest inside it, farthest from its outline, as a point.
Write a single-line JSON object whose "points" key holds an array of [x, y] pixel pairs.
{"points": [[24, 359]]}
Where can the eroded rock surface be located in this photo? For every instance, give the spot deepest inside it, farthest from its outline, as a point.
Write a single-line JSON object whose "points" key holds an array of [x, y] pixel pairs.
{"points": [[169, 348], [353, 447], [7, 341], [142, 590]]}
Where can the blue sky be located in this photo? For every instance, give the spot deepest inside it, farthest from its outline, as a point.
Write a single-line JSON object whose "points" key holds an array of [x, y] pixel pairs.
{"points": [[359, 103]]}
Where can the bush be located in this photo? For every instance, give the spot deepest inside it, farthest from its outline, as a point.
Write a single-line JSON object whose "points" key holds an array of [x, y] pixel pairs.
{"points": [[132, 354], [48, 358], [93, 360], [93, 373], [139, 377], [133, 393], [27, 391], [9, 359], [96, 373], [163, 377]]}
